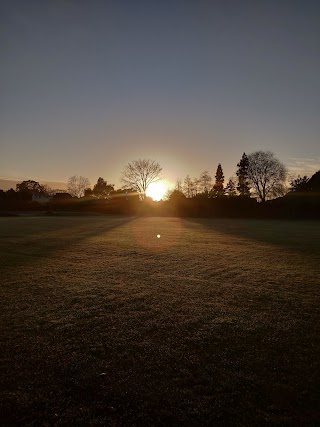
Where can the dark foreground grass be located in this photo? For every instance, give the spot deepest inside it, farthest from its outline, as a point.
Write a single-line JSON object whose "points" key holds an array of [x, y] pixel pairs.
{"points": [[214, 323]]}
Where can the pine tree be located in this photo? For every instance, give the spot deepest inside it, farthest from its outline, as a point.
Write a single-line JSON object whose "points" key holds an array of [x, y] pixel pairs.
{"points": [[217, 189], [242, 174], [231, 190]]}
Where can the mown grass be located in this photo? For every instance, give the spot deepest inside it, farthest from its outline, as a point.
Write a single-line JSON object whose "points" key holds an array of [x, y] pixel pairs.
{"points": [[214, 323]]}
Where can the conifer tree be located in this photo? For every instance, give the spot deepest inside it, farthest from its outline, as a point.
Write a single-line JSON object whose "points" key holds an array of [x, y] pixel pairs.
{"points": [[218, 190], [231, 190], [242, 173]]}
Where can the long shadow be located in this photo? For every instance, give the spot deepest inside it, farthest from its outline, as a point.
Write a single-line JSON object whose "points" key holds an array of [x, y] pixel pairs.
{"points": [[299, 236], [19, 226], [34, 243]]}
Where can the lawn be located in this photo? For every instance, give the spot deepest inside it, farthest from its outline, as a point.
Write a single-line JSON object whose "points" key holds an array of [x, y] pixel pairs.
{"points": [[159, 321]]}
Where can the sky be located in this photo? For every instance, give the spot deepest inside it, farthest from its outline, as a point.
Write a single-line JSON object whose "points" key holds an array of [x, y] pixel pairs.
{"points": [[88, 86]]}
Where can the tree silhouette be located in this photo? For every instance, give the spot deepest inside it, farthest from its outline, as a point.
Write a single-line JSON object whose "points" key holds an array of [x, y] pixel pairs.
{"points": [[242, 174], [176, 195], [88, 192], [139, 174], [178, 185], [205, 183], [188, 186], [267, 175], [26, 190], [47, 191], [11, 194], [77, 185], [102, 189], [31, 187], [217, 189], [195, 187], [230, 189], [300, 184], [314, 183]]}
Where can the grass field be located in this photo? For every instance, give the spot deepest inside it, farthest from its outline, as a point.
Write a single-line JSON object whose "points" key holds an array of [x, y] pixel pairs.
{"points": [[215, 322]]}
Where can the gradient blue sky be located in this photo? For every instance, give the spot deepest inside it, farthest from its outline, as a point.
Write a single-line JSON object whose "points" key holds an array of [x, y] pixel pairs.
{"points": [[87, 86]]}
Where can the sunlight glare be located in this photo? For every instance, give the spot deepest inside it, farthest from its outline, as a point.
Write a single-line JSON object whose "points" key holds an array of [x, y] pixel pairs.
{"points": [[156, 190]]}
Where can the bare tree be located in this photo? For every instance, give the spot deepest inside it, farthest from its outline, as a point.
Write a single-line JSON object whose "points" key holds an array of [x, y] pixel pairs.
{"points": [[195, 188], [77, 185], [47, 191], [205, 182], [188, 186], [178, 186], [139, 174], [267, 175]]}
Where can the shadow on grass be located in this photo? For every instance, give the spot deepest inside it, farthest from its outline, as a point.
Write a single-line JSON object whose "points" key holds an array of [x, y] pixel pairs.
{"points": [[25, 240], [299, 236], [155, 352]]}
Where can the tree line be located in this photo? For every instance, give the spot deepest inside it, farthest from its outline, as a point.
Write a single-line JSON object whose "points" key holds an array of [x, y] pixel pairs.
{"points": [[259, 174], [260, 177]]}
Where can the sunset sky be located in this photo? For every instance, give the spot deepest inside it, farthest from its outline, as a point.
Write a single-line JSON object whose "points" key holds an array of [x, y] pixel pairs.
{"points": [[87, 86]]}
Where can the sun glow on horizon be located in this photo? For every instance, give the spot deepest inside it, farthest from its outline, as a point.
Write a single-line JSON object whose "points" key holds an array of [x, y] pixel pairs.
{"points": [[157, 190]]}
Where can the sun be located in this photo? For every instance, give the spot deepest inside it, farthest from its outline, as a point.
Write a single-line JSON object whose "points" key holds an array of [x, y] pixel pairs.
{"points": [[156, 190]]}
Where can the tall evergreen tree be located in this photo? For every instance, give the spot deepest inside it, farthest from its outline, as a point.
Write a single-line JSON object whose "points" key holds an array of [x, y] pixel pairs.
{"points": [[217, 189], [242, 173]]}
